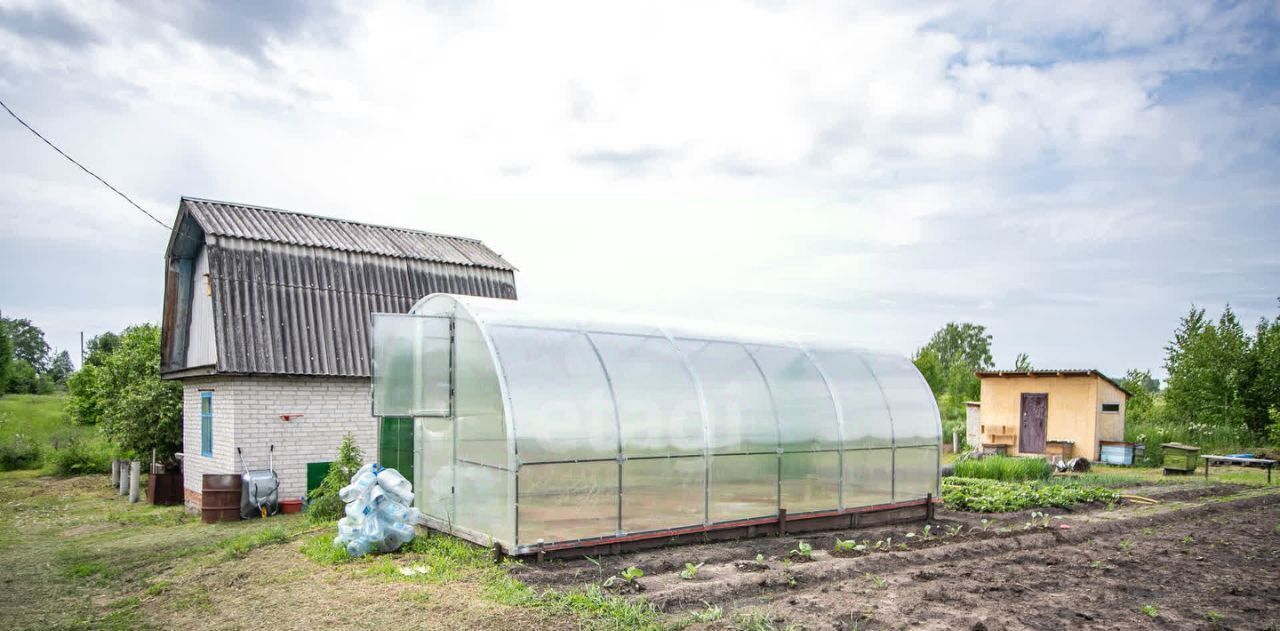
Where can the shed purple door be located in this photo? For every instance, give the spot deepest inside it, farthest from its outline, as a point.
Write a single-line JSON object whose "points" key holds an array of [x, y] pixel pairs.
{"points": [[1031, 429]]}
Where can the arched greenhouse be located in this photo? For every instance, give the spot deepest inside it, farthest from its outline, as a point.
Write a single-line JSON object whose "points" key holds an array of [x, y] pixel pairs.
{"points": [[539, 430]]}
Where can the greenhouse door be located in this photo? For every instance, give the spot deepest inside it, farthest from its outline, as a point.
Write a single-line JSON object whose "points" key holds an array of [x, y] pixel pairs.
{"points": [[413, 378]]}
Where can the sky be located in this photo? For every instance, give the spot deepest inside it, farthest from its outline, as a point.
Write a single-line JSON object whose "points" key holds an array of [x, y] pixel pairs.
{"points": [[1074, 176]]}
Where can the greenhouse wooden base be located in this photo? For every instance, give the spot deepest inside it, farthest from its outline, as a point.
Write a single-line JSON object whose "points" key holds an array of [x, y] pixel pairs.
{"points": [[863, 516]]}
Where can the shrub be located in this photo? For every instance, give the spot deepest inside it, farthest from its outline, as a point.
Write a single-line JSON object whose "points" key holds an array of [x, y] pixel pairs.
{"points": [[18, 451], [325, 505], [80, 457], [1004, 468]]}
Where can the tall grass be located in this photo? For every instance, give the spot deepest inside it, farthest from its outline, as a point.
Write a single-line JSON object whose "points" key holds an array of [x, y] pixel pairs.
{"points": [[1004, 468], [1211, 439], [36, 431]]}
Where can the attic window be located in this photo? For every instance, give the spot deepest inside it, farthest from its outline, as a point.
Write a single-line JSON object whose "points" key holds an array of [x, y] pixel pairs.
{"points": [[1110, 407], [208, 289]]}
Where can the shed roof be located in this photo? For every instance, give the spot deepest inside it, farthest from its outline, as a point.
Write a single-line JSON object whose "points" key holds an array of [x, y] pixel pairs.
{"points": [[1060, 372], [292, 294]]}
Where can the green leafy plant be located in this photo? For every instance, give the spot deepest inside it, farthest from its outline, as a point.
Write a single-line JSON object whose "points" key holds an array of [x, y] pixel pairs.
{"points": [[1213, 616], [759, 558], [803, 551], [325, 504], [629, 576], [877, 581], [849, 545], [1188, 540], [954, 530], [690, 571], [927, 532], [1126, 545], [992, 496], [1150, 611]]}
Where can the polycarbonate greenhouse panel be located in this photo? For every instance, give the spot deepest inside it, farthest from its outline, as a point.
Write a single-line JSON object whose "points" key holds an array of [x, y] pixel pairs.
{"points": [[868, 477], [410, 365], [657, 402], [434, 465], [911, 473], [740, 414], [561, 407], [810, 481], [570, 428], [660, 493], [482, 428], [575, 500], [866, 413], [801, 397], [743, 487], [483, 502], [915, 415]]}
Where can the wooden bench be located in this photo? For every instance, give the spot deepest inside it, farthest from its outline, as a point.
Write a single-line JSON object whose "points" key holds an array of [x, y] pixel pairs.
{"points": [[1242, 461]]}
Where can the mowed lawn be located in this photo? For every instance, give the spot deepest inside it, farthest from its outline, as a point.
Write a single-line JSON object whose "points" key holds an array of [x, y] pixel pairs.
{"points": [[74, 555]]}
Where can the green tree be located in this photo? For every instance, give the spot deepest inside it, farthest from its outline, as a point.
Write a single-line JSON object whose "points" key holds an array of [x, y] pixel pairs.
{"points": [[1022, 363], [61, 368], [99, 347], [1260, 383], [28, 342], [962, 343], [1207, 364], [948, 362], [123, 393], [325, 504], [6, 359], [1141, 404]]}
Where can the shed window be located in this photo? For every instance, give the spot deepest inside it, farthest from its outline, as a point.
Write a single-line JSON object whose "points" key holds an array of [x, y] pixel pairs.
{"points": [[206, 423], [1110, 407]]}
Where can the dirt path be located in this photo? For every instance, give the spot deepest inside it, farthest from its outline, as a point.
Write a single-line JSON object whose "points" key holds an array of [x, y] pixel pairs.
{"points": [[1207, 557]]}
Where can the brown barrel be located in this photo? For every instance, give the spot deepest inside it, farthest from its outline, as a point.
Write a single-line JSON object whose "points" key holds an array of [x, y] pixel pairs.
{"points": [[220, 497]]}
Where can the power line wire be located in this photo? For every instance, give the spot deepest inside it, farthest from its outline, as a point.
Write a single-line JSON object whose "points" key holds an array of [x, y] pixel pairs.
{"points": [[82, 167]]}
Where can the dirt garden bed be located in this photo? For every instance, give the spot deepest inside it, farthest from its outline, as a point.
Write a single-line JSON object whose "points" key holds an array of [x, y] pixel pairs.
{"points": [[1205, 557]]}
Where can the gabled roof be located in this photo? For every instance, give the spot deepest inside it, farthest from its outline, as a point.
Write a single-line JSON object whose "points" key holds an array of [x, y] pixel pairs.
{"points": [[1063, 372], [292, 294], [259, 223]]}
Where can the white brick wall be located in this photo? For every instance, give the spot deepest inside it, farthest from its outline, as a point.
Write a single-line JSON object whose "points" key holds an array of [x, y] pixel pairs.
{"points": [[246, 414]]}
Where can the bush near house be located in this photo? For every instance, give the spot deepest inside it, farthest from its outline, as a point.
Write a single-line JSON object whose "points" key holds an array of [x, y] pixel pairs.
{"points": [[324, 504]]}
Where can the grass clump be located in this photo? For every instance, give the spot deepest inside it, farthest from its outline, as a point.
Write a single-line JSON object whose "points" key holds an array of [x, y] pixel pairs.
{"points": [[240, 545], [993, 496], [1004, 468]]}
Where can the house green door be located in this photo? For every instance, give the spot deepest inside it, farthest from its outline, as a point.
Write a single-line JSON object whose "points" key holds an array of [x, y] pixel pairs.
{"points": [[395, 445]]}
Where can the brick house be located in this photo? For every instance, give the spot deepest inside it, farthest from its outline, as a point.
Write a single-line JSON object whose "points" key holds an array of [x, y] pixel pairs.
{"points": [[266, 323]]}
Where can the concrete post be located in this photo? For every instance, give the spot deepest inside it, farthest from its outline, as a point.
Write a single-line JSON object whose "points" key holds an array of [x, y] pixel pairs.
{"points": [[115, 471], [124, 477], [135, 472], [955, 441]]}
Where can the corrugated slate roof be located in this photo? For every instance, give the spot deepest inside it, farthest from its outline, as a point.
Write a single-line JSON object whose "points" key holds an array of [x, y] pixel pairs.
{"points": [[1051, 372], [257, 223], [292, 294]]}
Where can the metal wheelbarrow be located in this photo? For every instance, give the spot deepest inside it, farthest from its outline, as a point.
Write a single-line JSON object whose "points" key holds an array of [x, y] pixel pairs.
{"points": [[260, 490]]}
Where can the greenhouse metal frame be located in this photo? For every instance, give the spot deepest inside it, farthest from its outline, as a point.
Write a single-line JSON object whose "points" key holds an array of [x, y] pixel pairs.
{"points": [[538, 429]]}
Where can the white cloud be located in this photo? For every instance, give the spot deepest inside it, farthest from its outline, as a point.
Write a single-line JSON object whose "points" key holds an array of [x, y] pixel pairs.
{"points": [[816, 164]]}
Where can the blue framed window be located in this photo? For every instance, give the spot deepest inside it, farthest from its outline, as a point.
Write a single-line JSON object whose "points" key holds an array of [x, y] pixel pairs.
{"points": [[206, 423]]}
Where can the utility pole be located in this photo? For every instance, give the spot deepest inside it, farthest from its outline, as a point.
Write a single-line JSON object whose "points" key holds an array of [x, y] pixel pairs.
{"points": [[82, 349]]}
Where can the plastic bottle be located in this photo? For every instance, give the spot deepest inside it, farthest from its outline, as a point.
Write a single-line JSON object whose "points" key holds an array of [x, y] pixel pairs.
{"points": [[397, 512], [348, 528], [359, 547], [359, 485]]}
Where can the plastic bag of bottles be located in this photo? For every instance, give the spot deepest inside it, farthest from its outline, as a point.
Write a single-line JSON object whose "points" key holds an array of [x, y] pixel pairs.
{"points": [[379, 512]]}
